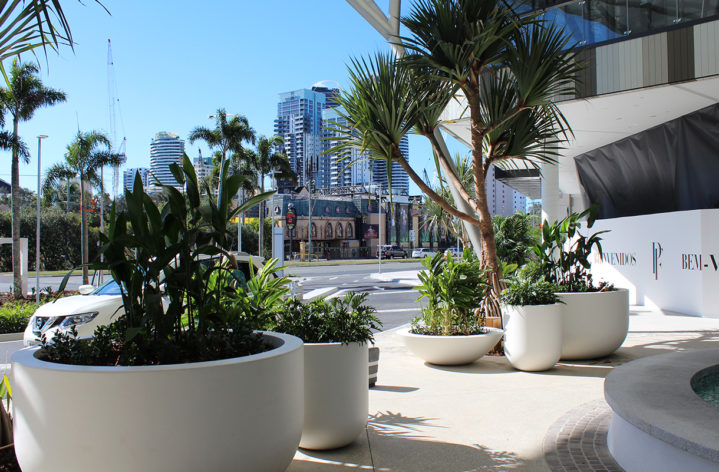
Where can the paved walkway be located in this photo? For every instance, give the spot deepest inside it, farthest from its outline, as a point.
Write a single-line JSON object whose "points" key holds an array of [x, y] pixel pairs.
{"points": [[489, 417]]}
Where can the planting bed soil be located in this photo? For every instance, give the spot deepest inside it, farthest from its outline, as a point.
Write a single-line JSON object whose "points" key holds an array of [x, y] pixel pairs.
{"points": [[8, 462]]}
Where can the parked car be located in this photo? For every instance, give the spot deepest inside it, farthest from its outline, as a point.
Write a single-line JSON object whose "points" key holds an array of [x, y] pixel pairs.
{"points": [[390, 252], [453, 252], [422, 252], [94, 308]]}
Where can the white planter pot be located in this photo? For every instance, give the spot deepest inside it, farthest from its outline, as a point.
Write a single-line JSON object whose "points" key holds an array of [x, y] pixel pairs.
{"points": [[451, 350], [240, 414], [594, 324], [532, 336], [336, 394]]}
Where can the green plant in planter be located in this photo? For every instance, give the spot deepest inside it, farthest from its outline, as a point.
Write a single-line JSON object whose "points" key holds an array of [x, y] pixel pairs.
{"points": [[337, 320], [523, 292], [454, 290], [182, 300], [564, 253]]}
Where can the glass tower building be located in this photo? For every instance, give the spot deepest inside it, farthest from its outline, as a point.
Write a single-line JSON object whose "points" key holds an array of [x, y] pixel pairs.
{"points": [[165, 149], [355, 168], [299, 123]]}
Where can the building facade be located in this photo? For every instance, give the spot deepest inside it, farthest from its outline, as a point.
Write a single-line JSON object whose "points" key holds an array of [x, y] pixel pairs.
{"points": [[299, 123], [203, 165], [501, 198], [165, 149], [128, 177], [354, 168]]}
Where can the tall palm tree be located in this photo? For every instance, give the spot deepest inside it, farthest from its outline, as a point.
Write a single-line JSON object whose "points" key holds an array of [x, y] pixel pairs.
{"points": [[85, 156], [267, 158], [24, 95], [228, 136], [507, 68]]}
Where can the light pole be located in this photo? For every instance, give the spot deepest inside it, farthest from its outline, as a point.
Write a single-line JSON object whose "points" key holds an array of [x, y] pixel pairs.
{"points": [[272, 213], [37, 225], [379, 229]]}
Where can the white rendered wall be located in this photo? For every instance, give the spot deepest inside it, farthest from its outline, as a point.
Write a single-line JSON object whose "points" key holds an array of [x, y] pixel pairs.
{"points": [[668, 261]]}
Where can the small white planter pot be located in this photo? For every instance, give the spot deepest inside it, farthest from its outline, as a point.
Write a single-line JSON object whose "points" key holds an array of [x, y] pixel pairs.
{"points": [[532, 336], [451, 350], [240, 414], [594, 324], [336, 394]]}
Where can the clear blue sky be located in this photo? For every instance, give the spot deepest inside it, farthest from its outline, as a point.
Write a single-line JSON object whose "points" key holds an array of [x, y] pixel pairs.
{"points": [[177, 62]]}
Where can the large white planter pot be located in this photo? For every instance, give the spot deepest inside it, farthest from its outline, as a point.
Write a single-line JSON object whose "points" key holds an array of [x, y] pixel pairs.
{"points": [[532, 336], [594, 324], [336, 394], [451, 350], [240, 414]]}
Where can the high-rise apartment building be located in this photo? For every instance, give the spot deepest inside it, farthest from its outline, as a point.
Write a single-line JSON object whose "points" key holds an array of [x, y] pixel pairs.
{"points": [[400, 179], [353, 168], [299, 122], [128, 177], [501, 198], [165, 149], [203, 165]]}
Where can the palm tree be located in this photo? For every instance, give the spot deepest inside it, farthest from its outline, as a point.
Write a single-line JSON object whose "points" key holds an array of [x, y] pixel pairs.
{"points": [[507, 68], [29, 24], [24, 95], [85, 156], [268, 158], [227, 136]]}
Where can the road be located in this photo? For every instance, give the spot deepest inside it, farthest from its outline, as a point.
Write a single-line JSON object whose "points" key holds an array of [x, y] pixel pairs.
{"points": [[396, 303]]}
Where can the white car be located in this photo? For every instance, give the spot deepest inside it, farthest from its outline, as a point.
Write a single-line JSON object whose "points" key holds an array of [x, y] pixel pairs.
{"points": [[422, 252], [95, 307], [100, 307]]}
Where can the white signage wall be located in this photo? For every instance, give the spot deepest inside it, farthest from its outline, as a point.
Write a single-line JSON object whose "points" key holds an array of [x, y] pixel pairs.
{"points": [[668, 261]]}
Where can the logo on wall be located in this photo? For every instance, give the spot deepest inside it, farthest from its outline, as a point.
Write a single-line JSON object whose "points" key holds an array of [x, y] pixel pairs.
{"points": [[697, 262], [656, 254]]}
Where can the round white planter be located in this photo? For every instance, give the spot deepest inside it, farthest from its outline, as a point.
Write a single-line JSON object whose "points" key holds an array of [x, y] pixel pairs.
{"points": [[336, 394], [240, 414], [532, 336], [594, 324], [451, 350]]}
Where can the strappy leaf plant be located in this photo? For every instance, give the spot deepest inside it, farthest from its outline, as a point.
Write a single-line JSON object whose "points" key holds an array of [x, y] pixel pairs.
{"points": [[455, 291], [563, 255], [179, 289]]}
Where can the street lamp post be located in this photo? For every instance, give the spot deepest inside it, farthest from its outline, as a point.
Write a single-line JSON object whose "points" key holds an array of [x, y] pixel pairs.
{"points": [[379, 229], [37, 225]]}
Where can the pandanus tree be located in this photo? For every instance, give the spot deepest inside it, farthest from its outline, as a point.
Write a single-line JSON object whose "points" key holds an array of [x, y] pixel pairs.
{"points": [[85, 156], [267, 158], [505, 67], [24, 95]]}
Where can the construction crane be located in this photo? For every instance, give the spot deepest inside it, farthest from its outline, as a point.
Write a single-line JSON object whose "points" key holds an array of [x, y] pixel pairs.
{"points": [[113, 104]]}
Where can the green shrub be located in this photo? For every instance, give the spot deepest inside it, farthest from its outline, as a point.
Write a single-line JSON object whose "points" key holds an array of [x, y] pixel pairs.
{"points": [[564, 253], [455, 291], [14, 316], [523, 292], [515, 235], [338, 320], [182, 300]]}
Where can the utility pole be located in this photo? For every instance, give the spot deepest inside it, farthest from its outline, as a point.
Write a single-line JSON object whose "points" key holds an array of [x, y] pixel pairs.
{"points": [[379, 226], [309, 226], [37, 229]]}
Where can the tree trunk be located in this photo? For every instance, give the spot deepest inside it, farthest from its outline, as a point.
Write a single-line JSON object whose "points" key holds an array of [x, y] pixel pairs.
{"points": [[17, 276], [83, 231], [489, 247]]}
